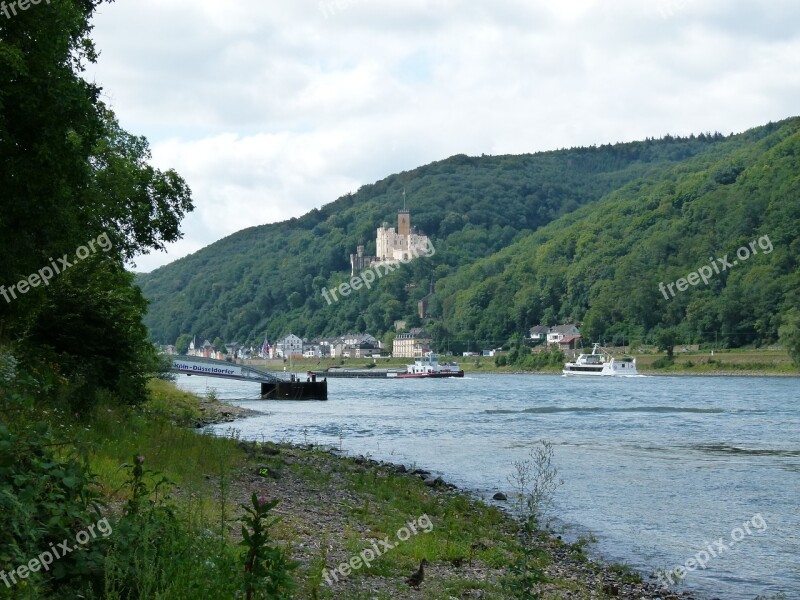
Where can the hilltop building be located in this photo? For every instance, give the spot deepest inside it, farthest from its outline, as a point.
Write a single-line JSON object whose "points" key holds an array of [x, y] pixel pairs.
{"points": [[392, 245], [359, 262]]}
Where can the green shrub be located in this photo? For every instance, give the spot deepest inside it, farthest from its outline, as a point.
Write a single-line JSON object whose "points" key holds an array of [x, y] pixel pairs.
{"points": [[542, 360], [267, 568], [47, 500]]}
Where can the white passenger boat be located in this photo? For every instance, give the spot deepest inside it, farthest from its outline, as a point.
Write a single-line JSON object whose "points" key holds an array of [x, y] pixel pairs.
{"points": [[429, 366], [601, 363]]}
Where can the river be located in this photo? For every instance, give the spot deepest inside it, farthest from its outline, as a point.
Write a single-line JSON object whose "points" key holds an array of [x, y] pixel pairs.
{"points": [[658, 469]]}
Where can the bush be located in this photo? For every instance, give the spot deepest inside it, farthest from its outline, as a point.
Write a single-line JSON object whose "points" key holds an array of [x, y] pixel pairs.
{"points": [[543, 360], [46, 500], [143, 537], [267, 568]]}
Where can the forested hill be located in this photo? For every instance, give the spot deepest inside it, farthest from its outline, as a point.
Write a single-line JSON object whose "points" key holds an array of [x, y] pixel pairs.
{"points": [[602, 265], [268, 279]]}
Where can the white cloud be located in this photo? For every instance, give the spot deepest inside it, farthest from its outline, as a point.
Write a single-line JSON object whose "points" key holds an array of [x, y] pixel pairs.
{"points": [[270, 109]]}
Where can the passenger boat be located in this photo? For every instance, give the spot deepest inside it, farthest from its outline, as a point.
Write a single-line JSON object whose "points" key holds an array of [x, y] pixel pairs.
{"points": [[428, 366], [601, 363]]}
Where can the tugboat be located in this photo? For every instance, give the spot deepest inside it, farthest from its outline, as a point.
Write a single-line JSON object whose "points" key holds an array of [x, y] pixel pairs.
{"points": [[428, 366], [601, 363]]}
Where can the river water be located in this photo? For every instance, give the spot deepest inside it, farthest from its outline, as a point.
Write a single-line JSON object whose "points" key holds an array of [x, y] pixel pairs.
{"points": [[658, 469]]}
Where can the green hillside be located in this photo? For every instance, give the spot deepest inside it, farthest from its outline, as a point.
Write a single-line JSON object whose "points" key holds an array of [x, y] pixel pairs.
{"points": [[602, 265], [518, 239]]}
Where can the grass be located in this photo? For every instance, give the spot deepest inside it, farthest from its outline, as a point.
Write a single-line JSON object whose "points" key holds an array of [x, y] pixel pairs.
{"points": [[384, 502], [365, 501], [763, 361], [175, 405], [627, 575], [186, 457], [740, 361], [199, 466]]}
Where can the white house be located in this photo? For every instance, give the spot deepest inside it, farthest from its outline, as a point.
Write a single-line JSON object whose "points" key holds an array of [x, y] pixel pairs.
{"points": [[291, 345], [312, 351], [559, 332], [538, 333], [353, 339]]}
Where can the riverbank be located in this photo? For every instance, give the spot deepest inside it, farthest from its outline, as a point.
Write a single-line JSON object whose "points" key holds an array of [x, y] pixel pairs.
{"points": [[334, 508], [762, 362]]}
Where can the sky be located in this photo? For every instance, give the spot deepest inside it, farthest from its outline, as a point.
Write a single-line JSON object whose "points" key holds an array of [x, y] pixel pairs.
{"points": [[272, 108]]}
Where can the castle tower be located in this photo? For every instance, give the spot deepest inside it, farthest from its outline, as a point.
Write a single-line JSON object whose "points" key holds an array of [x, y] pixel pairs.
{"points": [[403, 222], [404, 218]]}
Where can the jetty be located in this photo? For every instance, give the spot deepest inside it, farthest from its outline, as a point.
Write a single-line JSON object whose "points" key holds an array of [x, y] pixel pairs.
{"points": [[356, 373], [273, 386]]}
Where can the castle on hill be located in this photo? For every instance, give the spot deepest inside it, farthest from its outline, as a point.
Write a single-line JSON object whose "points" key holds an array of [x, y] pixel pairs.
{"points": [[392, 245]]}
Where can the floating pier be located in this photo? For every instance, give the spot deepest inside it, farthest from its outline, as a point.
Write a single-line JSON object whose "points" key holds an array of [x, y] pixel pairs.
{"points": [[295, 390], [272, 386]]}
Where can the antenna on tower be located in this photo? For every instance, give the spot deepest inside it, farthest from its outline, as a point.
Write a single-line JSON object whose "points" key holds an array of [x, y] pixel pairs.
{"points": [[404, 197]]}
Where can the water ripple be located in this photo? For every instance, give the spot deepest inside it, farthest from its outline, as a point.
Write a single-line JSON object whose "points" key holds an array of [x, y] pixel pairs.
{"points": [[726, 449], [600, 409]]}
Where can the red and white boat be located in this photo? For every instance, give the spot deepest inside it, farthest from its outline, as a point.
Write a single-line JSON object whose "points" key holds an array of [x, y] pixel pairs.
{"points": [[428, 366]]}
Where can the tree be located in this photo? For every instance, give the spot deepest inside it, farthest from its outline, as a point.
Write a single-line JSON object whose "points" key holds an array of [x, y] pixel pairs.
{"points": [[91, 328], [69, 171], [182, 343], [516, 349], [142, 207], [71, 178], [218, 344], [789, 333], [388, 341], [666, 340], [49, 124]]}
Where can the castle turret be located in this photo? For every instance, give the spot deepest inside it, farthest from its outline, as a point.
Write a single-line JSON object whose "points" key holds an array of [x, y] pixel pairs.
{"points": [[404, 218], [403, 222]]}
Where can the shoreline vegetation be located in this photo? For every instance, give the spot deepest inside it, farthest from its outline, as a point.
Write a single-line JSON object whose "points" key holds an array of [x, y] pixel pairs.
{"points": [[333, 507], [764, 362], [192, 514]]}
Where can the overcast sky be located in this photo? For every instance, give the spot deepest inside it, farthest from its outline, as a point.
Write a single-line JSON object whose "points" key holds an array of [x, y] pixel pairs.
{"points": [[269, 109]]}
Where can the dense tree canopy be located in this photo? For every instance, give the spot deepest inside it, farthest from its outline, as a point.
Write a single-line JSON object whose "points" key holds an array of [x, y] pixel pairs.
{"points": [[602, 265], [78, 199], [268, 279]]}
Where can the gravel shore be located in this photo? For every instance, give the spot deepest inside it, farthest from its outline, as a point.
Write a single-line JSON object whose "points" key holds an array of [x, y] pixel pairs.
{"points": [[326, 520]]}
